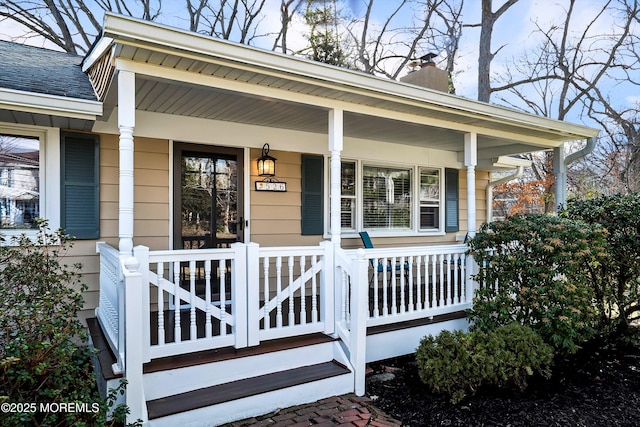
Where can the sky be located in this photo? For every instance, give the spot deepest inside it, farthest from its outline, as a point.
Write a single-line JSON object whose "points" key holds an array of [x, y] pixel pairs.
{"points": [[513, 32]]}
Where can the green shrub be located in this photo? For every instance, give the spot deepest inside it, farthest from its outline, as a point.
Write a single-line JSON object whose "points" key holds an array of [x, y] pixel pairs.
{"points": [[43, 359], [537, 271], [457, 363], [617, 282]]}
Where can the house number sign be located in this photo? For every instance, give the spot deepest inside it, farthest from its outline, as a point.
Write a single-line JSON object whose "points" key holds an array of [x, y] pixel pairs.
{"points": [[271, 186]]}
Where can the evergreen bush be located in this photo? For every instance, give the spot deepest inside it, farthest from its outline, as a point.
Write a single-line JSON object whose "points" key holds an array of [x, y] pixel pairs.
{"points": [[457, 363], [616, 283], [537, 270], [46, 371]]}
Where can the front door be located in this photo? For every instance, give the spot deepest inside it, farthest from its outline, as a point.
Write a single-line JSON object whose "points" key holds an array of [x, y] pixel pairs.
{"points": [[208, 206]]}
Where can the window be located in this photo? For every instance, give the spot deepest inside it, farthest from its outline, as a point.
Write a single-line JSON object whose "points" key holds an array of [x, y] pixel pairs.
{"points": [[348, 196], [429, 199], [386, 198], [19, 181], [400, 199]]}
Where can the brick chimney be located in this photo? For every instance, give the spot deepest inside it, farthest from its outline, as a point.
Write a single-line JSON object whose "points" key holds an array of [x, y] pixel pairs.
{"points": [[426, 74]]}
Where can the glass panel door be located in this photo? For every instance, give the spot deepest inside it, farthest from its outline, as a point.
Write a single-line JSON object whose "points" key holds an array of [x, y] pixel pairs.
{"points": [[210, 214]]}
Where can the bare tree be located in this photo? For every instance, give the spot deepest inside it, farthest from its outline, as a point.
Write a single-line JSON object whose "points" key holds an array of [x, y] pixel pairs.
{"points": [[288, 8], [386, 47], [70, 24], [485, 55], [564, 78]]}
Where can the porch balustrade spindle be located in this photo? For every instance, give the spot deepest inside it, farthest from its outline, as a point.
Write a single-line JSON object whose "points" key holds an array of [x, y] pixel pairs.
{"points": [[412, 302], [402, 284], [441, 269], [278, 291], [448, 284], [193, 328], [160, 272], [303, 302], [419, 303], [208, 329], [394, 293], [223, 297], [456, 268], [265, 278], [434, 282], [291, 319], [314, 291], [376, 299], [385, 295], [177, 330]]}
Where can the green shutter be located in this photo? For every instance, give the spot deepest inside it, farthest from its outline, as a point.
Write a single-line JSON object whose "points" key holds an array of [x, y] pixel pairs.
{"points": [[80, 185], [312, 194], [452, 200]]}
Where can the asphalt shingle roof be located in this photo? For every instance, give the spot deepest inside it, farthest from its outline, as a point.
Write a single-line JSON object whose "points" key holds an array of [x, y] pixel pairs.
{"points": [[39, 70]]}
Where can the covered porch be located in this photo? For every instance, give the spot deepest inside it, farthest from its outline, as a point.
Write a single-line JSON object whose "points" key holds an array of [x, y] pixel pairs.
{"points": [[159, 302]]}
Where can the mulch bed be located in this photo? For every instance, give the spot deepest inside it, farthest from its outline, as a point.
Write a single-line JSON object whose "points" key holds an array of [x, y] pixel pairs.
{"points": [[596, 387]]}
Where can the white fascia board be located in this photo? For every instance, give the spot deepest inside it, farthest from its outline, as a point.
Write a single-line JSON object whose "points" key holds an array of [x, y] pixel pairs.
{"points": [[180, 42], [49, 104], [96, 53]]}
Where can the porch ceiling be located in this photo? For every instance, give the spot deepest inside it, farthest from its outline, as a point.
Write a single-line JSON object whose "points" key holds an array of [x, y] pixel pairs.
{"points": [[191, 75]]}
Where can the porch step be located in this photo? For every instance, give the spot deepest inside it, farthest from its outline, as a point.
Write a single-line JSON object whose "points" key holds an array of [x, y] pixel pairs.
{"points": [[239, 389], [228, 353], [188, 372]]}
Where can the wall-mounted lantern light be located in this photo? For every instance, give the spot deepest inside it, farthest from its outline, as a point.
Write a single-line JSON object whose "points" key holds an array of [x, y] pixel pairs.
{"points": [[267, 169], [266, 163]]}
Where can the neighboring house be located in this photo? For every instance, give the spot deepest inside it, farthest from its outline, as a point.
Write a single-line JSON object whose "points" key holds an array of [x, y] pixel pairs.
{"points": [[222, 293]]}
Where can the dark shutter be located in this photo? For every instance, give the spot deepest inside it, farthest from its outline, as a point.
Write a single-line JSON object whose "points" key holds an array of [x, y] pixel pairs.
{"points": [[312, 194], [80, 192], [452, 200]]}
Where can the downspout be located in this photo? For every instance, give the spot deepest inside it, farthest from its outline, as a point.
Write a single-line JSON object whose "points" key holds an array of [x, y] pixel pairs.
{"points": [[495, 183], [561, 169]]}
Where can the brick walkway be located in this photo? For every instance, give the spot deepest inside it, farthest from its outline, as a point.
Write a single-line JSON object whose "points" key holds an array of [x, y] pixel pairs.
{"points": [[347, 411]]}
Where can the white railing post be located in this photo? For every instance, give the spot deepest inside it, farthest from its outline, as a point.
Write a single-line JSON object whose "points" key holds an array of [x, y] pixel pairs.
{"points": [[239, 294], [253, 294], [141, 253], [134, 352], [328, 288], [470, 284], [359, 316]]}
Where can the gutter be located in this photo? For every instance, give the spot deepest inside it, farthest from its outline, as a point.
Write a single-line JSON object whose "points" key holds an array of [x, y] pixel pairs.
{"points": [[560, 169]]}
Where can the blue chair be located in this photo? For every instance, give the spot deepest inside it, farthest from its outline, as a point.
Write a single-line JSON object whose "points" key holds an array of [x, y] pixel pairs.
{"points": [[368, 244]]}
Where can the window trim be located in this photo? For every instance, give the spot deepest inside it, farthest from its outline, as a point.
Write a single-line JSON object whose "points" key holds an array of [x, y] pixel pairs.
{"points": [[49, 174], [415, 202]]}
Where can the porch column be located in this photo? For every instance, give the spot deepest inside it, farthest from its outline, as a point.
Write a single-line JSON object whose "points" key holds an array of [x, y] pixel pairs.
{"points": [[470, 161], [560, 172], [336, 143], [126, 124]]}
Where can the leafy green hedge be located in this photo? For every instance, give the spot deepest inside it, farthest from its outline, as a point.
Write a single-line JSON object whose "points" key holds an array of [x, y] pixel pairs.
{"points": [[616, 283], [457, 363], [537, 270], [44, 359]]}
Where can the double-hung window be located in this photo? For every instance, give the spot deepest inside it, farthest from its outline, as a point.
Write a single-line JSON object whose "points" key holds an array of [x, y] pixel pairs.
{"points": [[386, 198], [429, 199], [19, 181], [396, 198]]}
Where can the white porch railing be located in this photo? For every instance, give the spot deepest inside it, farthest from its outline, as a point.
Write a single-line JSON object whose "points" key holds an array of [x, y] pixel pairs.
{"points": [[110, 311], [290, 291], [184, 301]]}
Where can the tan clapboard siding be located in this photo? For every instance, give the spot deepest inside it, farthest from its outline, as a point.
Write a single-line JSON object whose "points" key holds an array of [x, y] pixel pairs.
{"points": [[151, 204], [276, 217]]}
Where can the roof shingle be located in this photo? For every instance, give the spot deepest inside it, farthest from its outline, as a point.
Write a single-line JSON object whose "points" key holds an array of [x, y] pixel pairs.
{"points": [[33, 69]]}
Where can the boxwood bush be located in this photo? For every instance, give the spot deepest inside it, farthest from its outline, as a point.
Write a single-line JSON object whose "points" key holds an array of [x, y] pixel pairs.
{"points": [[457, 363]]}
